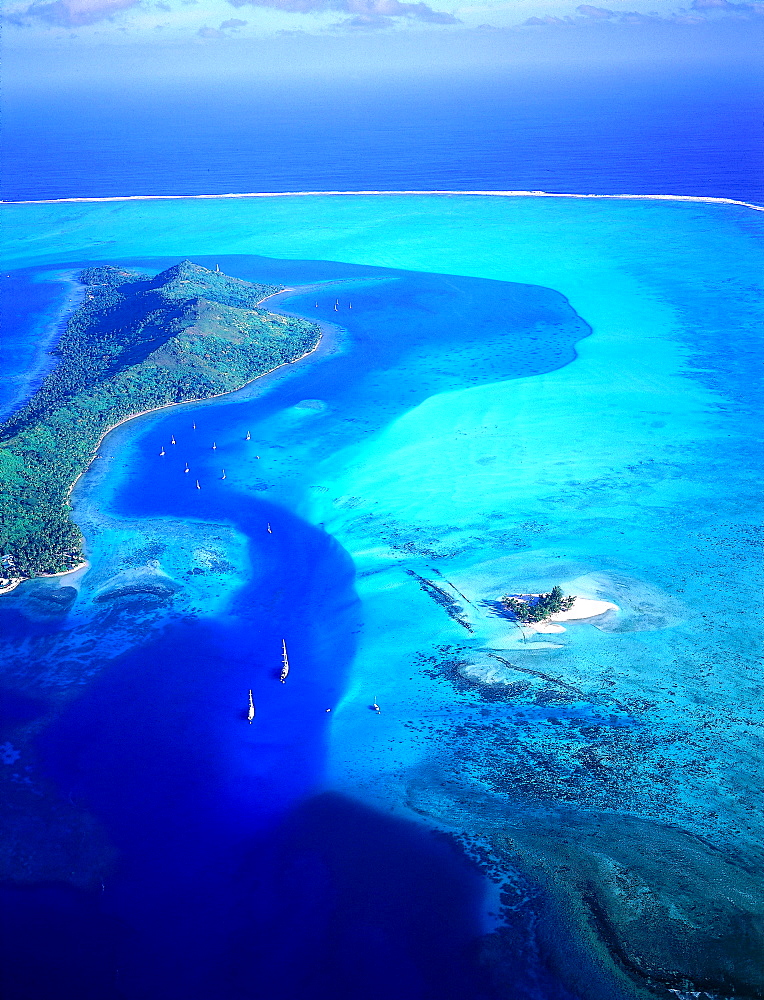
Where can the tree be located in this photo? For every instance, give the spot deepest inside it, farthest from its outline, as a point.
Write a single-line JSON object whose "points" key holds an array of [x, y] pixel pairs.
{"points": [[134, 344], [538, 607]]}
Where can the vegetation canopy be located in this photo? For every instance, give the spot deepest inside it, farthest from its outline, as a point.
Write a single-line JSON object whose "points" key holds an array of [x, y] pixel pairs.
{"points": [[538, 607], [135, 343]]}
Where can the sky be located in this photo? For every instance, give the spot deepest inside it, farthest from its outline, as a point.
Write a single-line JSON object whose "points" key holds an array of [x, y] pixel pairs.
{"points": [[77, 23], [96, 48]]}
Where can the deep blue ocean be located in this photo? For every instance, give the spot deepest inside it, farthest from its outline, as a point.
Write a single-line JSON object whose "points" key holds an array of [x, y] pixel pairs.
{"points": [[627, 131], [510, 393]]}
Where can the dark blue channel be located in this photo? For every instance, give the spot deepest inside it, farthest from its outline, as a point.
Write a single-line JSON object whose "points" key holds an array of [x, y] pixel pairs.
{"points": [[236, 878]]}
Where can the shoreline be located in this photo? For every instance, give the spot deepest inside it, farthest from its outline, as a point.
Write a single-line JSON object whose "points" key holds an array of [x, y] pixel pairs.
{"points": [[182, 402], [700, 199], [201, 399], [15, 582], [43, 363], [583, 609]]}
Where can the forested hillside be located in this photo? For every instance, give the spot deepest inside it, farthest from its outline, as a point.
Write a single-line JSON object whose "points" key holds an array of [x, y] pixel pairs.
{"points": [[135, 343]]}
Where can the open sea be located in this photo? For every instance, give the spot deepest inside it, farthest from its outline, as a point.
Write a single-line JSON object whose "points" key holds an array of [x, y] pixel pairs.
{"points": [[510, 393], [684, 130]]}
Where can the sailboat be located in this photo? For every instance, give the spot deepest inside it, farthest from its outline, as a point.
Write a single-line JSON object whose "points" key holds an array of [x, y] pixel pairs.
{"points": [[162, 451], [186, 468], [248, 437], [214, 446], [223, 476], [172, 439], [193, 427], [197, 485], [251, 712], [374, 705], [285, 665], [270, 532]]}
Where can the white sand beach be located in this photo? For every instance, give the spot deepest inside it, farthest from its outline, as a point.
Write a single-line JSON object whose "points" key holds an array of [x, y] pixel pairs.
{"points": [[582, 609]]}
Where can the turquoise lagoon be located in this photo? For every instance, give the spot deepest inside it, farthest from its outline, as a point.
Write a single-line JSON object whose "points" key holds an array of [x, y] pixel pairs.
{"points": [[574, 815]]}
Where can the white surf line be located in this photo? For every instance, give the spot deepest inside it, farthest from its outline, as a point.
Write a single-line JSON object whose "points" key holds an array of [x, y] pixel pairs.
{"points": [[703, 200]]}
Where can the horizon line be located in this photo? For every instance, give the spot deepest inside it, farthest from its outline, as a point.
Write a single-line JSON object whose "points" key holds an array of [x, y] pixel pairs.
{"points": [[701, 199]]}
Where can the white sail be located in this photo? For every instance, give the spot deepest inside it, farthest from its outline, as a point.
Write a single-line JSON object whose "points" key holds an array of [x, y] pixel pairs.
{"points": [[251, 712], [285, 665]]}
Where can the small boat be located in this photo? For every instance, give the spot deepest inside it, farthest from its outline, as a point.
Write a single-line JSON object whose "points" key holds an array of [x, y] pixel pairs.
{"points": [[374, 705], [316, 305], [214, 446], [186, 468], [223, 476], [197, 485], [350, 305], [172, 439], [269, 528], [193, 427], [257, 456], [162, 451], [251, 712], [285, 664], [335, 307]]}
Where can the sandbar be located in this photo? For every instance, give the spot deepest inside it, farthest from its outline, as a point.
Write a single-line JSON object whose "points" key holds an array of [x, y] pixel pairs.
{"points": [[583, 608]]}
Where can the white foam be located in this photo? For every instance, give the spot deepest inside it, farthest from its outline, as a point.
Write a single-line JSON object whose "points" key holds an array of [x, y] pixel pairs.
{"points": [[700, 199]]}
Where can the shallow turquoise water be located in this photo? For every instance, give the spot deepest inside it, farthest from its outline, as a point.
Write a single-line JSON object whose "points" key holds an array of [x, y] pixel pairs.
{"points": [[623, 470]]}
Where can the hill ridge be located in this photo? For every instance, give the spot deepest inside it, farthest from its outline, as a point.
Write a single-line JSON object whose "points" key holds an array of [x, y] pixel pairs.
{"points": [[135, 343]]}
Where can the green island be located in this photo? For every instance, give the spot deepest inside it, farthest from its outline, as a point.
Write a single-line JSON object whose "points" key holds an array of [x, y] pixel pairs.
{"points": [[136, 343], [537, 607]]}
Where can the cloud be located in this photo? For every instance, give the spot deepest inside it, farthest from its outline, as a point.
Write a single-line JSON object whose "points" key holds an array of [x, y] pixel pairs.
{"points": [[706, 11], [73, 13], [603, 14], [542, 21], [365, 14], [232, 24], [727, 7], [599, 13], [422, 12], [365, 22]]}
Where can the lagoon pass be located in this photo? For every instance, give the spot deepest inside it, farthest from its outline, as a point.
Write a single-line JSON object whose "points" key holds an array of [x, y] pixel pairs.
{"points": [[509, 394]]}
